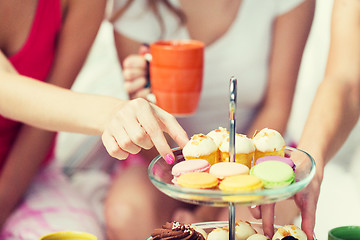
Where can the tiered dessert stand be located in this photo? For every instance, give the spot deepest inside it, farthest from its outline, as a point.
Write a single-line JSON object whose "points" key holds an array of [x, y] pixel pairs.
{"points": [[160, 175]]}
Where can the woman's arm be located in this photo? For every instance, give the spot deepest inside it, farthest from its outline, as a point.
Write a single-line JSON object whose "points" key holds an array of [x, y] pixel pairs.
{"points": [[123, 124], [290, 34], [336, 106], [81, 21]]}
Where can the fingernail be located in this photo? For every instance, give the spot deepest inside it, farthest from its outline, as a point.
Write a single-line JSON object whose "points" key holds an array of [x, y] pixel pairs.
{"points": [[169, 159]]}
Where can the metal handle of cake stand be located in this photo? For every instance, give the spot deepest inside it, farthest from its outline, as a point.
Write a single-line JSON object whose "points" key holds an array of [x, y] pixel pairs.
{"points": [[232, 118]]}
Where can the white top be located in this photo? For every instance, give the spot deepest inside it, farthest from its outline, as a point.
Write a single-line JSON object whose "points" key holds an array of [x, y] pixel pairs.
{"points": [[243, 52]]}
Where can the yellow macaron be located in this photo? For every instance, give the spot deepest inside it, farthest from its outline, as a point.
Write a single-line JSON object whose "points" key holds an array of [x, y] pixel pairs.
{"points": [[199, 180], [241, 183]]}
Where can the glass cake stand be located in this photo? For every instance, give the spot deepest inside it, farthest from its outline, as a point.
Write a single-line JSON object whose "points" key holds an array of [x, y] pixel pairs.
{"points": [[160, 175]]}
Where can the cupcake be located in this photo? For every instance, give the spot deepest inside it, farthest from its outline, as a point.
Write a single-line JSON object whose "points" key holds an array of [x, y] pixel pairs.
{"points": [[219, 234], [257, 237], [201, 146], [244, 150], [289, 231], [219, 135], [268, 142], [243, 230]]}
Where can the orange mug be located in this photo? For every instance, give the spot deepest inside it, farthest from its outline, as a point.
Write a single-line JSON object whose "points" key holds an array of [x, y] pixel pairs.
{"points": [[176, 75]]}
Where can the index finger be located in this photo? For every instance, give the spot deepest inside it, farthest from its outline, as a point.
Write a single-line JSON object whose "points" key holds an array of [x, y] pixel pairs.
{"points": [[151, 125], [171, 126]]}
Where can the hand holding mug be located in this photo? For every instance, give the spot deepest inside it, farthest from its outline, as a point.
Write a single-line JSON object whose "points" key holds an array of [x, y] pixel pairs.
{"points": [[134, 70], [176, 72]]}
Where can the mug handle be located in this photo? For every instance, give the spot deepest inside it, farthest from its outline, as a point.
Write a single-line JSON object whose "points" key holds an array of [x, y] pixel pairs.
{"points": [[148, 58]]}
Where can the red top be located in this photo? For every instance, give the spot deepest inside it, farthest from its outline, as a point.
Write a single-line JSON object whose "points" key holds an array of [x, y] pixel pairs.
{"points": [[34, 60]]}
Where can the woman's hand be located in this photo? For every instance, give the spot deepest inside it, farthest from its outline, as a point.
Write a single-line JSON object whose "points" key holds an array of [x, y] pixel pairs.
{"points": [[134, 72], [306, 200], [140, 124]]}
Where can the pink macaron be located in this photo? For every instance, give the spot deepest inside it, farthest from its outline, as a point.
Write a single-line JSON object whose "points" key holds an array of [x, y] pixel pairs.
{"points": [[188, 166], [286, 160], [226, 169]]}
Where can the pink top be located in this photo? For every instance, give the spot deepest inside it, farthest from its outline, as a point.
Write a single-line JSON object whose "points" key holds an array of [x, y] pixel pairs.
{"points": [[34, 60]]}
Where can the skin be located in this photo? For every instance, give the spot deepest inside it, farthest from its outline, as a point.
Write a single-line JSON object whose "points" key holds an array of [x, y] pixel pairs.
{"points": [[74, 42], [88, 114], [207, 23], [125, 126], [336, 106]]}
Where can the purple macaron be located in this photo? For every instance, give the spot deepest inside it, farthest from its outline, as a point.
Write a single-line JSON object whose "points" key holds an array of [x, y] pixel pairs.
{"points": [[286, 160]]}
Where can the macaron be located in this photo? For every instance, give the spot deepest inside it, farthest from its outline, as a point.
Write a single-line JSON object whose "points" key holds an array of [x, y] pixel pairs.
{"points": [[273, 174], [241, 183], [198, 180], [194, 165], [286, 160], [225, 169]]}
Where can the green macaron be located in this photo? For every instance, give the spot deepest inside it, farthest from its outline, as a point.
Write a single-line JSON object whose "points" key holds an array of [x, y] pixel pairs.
{"points": [[274, 174]]}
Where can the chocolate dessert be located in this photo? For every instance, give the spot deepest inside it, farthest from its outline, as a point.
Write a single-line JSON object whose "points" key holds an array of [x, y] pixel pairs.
{"points": [[176, 231]]}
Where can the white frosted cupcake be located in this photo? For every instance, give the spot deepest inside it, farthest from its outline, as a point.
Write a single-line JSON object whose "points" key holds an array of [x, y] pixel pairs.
{"points": [[219, 234], [268, 142], [243, 230], [289, 230], [201, 146], [244, 150], [219, 136], [257, 237]]}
